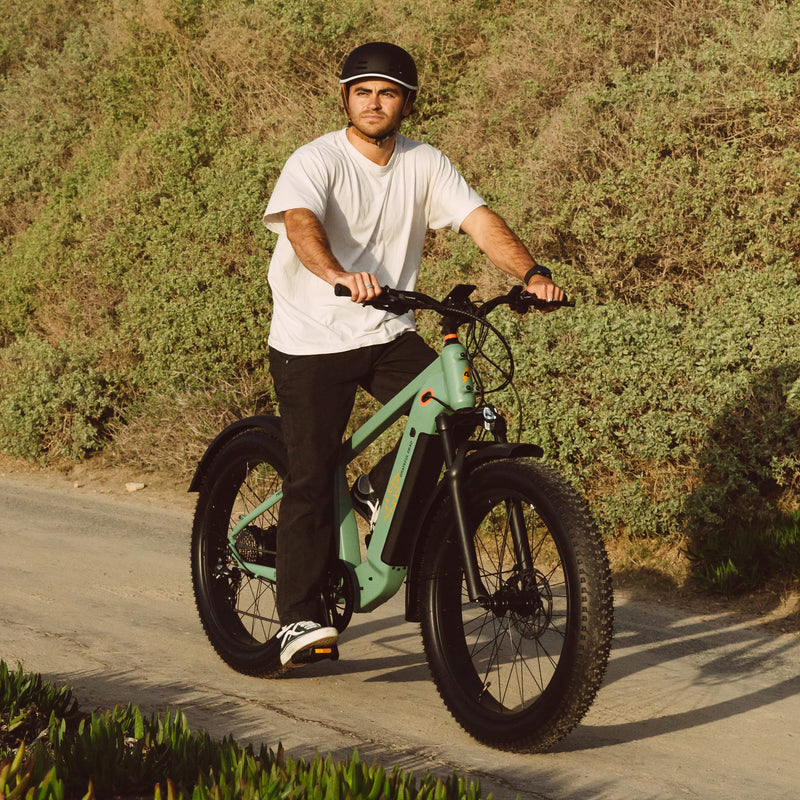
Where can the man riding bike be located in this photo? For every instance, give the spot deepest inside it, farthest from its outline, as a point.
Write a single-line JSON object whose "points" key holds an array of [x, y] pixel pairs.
{"points": [[352, 207]]}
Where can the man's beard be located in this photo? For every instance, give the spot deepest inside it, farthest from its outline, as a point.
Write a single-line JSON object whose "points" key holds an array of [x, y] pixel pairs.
{"points": [[376, 135]]}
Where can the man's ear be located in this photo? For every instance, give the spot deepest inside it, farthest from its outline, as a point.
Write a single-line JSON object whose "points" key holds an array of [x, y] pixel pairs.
{"points": [[408, 106]]}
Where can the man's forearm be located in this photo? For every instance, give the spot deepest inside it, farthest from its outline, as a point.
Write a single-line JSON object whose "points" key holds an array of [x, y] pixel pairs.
{"points": [[310, 243], [506, 251], [502, 246]]}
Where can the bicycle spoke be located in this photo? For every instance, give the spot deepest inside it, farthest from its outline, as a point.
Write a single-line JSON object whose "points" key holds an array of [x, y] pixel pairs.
{"points": [[516, 648], [249, 597], [249, 609]]}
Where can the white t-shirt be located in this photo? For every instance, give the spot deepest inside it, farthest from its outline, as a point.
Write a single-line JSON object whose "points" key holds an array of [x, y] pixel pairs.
{"points": [[376, 218]]}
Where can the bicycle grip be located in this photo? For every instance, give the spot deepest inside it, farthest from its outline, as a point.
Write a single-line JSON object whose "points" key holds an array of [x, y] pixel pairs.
{"points": [[541, 304], [340, 290]]}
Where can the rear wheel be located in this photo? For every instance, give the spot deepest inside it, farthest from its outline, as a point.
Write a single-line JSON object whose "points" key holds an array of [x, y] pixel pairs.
{"points": [[521, 672], [236, 608]]}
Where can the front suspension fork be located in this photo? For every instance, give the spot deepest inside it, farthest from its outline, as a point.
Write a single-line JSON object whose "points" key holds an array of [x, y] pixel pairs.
{"points": [[454, 470], [454, 457]]}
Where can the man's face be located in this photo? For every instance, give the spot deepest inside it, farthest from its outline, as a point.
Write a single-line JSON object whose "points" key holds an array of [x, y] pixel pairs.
{"points": [[376, 107]]}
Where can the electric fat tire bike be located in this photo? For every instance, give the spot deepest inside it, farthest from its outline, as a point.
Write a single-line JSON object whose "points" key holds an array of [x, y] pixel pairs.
{"points": [[504, 567]]}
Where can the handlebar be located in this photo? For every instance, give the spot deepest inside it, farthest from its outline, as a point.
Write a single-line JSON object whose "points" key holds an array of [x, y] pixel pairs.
{"points": [[457, 303], [457, 309]]}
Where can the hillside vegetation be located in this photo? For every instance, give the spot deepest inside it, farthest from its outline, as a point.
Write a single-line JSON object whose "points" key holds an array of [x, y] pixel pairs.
{"points": [[648, 150]]}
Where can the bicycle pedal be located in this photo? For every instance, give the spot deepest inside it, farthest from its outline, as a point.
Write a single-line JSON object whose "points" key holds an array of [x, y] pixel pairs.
{"points": [[313, 654]]}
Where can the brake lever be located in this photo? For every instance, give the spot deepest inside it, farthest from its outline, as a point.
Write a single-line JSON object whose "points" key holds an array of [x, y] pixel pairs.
{"points": [[392, 300]]}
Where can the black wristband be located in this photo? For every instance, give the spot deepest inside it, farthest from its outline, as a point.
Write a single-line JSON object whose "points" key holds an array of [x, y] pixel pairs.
{"points": [[537, 269]]}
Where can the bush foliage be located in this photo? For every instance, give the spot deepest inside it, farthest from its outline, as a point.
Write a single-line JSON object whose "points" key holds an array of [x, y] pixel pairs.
{"points": [[649, 151], [121, 753]]}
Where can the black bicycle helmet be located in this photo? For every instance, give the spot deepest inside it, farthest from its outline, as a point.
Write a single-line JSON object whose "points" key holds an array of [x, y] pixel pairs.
{"points": [[380, 60]]}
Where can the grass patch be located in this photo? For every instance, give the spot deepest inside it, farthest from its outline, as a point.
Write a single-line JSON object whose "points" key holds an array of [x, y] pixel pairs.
{"points": [[122, 754], [742, 560]]}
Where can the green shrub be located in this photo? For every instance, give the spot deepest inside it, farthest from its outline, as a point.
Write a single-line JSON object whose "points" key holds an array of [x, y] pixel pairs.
{"points": [[674, 422], [55, 401], [122, 753], [27, 703], [739, 558]]}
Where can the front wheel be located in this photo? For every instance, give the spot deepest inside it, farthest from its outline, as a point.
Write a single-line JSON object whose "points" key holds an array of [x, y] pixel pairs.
{"points": [[519, 672]]}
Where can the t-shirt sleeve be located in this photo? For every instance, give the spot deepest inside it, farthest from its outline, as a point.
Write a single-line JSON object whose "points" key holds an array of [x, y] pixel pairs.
{"points": [[302, 184], [451, 198]]}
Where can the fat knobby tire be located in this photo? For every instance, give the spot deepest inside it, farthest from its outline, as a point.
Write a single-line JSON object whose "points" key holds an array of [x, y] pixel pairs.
{"points": [[237, 610], [521, 675]]}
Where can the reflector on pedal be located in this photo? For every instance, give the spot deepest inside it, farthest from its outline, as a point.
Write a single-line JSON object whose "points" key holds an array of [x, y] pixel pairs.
{"points": [[318, 653]]}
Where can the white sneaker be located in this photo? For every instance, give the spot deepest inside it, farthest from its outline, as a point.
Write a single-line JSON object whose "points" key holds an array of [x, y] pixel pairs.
{"points": [[301, 636]]}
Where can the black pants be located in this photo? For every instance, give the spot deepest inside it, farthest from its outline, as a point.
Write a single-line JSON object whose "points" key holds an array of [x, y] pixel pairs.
{"points": [[315, 397]]}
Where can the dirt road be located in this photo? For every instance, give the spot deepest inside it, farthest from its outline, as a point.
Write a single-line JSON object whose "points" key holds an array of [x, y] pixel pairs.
{"points": [[95, 592]]}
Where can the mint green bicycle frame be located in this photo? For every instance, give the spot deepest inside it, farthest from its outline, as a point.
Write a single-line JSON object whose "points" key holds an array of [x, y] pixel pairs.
{"points": [[445, 385]]}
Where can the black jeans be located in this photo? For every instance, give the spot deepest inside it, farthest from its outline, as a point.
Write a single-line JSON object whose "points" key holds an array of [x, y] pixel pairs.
{"points": [[315, 397]]}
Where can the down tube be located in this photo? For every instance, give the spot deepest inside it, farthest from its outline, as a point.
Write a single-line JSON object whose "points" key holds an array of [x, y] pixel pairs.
{"points": [[374, 427], [377, 581]]}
